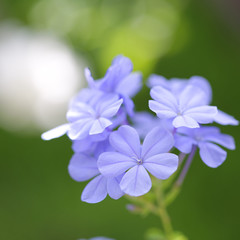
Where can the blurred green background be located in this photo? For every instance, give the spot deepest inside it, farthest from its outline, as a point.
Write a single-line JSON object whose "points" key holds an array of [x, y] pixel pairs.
{"points": [[169, 37]]}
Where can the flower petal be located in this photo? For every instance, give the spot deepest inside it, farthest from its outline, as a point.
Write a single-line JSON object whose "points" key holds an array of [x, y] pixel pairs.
{"points": [[99, 125], [161, 110], [79, 110], [212, 155], [164, 97], [89, 78], [83, 145], [191, 96], [225, 119], [120, 68], [130, 85], [144, 122], [185, 121], [95, 191], [129, 105], [82, 167], [202, 114], [157, 80], [80, 129], [109, 105], [56, 132], [221, 139], [113, 188], [162, 165], [136, 181], [204, 85], [126, 140], [157, 141], [183, 143], [112, 164]]}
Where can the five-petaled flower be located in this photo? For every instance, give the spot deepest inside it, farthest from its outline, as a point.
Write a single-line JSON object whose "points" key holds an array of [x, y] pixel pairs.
{"points": [[109, 153], [134, 160], [186, 110], [207, 139]]}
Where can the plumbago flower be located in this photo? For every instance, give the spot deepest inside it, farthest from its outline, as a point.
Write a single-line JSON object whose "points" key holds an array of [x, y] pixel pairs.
{"points": [[176, 87], [207, 140], [109, 154], [88, 115], [96, 107], [83, 167], [120, 80], [152, 156], [186, 110]]}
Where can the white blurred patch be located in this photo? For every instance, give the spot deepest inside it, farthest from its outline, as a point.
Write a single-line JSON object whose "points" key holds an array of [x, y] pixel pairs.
{"points": [[38, 76]]}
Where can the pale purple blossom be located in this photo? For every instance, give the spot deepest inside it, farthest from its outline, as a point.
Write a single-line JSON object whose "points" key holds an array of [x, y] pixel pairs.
{"points": [[134, 160], [90, 113], [208, 140], [83, 167], [176, 86], [186, 110], [144, 122], [120, 80]]}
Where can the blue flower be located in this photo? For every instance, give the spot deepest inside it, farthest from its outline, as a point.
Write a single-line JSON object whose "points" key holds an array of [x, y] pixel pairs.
{"points": [[207, 139], [83, 167], [90, 113], [187, 109], [120, 80], [130, 156], [176, 86]]}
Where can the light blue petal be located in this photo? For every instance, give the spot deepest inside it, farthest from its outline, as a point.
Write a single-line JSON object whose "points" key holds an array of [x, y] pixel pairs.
{"points": [[89, 78], [56, 132], [113, 188], [157, 141], [136, 181], [225, 119], [162, 165], [120, 68], [184, 143], [202, 114], [144, 122], [90, 142], [212, 155], [82, 167], [162, 110], [164, 97], [185, 121], [126, 140], [99, 125], [95, 191], [204, 85], [130, 85], [157, 80], [79, 110], [112, 164], [111, 109], [129, 105], [191, 96], [225, 140], [80, 129]]}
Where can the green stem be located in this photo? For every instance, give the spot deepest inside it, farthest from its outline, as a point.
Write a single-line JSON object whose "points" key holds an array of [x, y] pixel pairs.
{"points": [[163, 214]]}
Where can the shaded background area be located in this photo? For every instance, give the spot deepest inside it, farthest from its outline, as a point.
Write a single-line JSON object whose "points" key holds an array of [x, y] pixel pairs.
{"points": [[172, 38]]}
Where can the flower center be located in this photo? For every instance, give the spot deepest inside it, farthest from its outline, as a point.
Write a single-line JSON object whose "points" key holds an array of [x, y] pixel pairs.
{"points": [[139, 161]]}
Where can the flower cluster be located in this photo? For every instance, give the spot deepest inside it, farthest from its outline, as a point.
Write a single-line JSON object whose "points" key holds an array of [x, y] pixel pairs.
{"points": [[116, 148]]}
